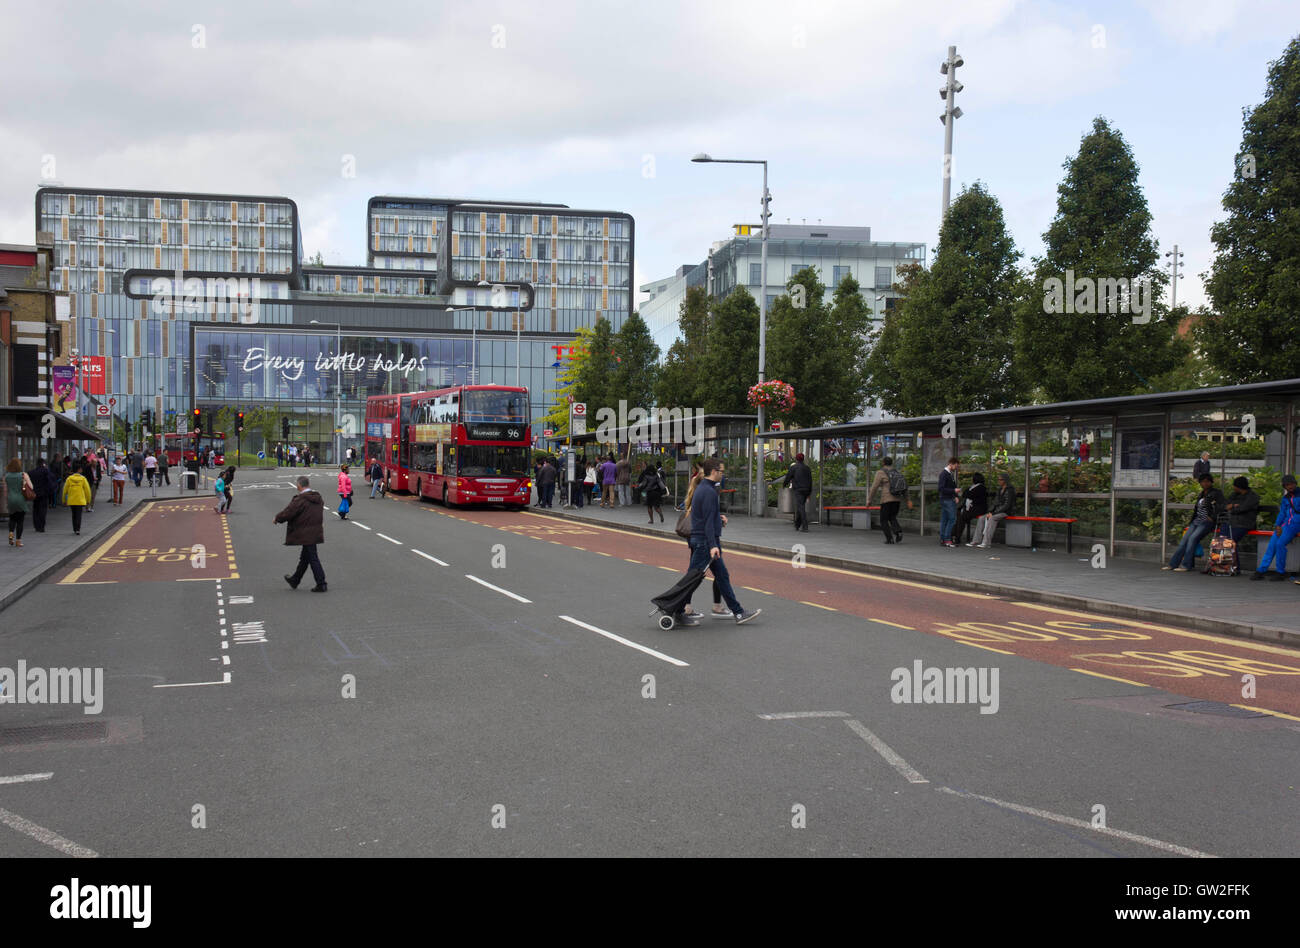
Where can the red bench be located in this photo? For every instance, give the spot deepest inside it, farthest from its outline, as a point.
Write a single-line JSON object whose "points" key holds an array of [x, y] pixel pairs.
{"points": [[1069, 527]]}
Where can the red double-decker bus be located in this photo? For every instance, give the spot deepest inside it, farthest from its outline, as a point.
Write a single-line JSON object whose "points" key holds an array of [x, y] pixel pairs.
{"points": [[462, 445], [180, 447]]}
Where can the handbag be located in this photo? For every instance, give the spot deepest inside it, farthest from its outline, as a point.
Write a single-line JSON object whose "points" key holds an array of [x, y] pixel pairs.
{"points": [[683, 528], [29, 492]]}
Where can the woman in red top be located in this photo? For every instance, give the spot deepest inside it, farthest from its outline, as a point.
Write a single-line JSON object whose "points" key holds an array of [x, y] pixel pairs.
{"points": [[345, 492]]}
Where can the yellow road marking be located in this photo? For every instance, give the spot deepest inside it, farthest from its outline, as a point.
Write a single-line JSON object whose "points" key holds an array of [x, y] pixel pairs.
{"points": [[757, 590], [1276, 714], [1222, 640], [604, 554], [895, 625], [628, 559], [818, 605], [94, 557], [988, 648], [1085, 671]]}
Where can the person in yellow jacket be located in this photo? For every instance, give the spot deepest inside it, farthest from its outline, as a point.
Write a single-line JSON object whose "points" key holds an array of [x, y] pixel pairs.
{"points": [[76, 495]]}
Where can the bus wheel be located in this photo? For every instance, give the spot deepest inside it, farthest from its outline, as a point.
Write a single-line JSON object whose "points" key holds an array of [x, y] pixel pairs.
{"points": [[445, 501], [419, 494]]}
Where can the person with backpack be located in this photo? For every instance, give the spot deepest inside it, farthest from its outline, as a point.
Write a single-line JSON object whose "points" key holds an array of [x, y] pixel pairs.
{"points": [[43, 485], [799, 479], [1004, 505], [892, 487], [220, 490], [1285, 528], [653, 489]]}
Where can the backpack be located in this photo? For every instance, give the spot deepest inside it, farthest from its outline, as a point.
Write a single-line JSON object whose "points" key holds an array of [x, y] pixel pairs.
{"points": [[897, 482]]}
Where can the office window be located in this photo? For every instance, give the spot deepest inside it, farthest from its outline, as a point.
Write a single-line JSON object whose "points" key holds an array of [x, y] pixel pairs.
{"points": [[796, 267], [839, 273], [883, 281], [755, 274]]}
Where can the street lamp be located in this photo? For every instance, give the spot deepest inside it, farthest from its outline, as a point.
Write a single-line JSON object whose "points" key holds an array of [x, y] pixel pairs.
{"points": [[338, 382], [702, 158]]}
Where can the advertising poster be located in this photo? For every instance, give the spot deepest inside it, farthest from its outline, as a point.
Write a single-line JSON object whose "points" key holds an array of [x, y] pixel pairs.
{"points": [[92, 375], [65, 389]]}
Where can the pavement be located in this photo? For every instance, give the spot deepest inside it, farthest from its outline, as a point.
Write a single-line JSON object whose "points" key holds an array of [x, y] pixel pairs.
{"points": [[1266, 611], [487, 682]]}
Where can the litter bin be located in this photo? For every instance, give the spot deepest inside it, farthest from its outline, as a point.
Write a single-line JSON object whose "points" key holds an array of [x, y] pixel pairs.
{"points": [[785, 500]]}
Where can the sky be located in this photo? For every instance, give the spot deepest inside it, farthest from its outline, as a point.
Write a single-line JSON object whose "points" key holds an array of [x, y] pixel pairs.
{"points": [[601, 105]]}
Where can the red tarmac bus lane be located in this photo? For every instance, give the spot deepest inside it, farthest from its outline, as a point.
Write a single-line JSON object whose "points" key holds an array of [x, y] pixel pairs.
{"points": [[1257, 675], [164, 541]]}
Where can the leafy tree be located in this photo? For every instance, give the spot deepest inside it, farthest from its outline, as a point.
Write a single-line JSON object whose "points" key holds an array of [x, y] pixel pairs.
{"points": [[1101, 232], [884, 382], [680, 375], [729, 365], [953, 349], [850, 329], [637, 368], [1254, 283], [596, 373], [566, 383]]}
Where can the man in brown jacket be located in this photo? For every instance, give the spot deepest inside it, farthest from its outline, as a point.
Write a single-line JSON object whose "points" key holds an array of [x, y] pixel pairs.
{"points": [[305, 517], [887, 479]]}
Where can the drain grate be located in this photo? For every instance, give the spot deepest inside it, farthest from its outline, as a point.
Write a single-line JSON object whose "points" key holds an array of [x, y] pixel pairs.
{"points": [[1216, 707], [50, 733]]}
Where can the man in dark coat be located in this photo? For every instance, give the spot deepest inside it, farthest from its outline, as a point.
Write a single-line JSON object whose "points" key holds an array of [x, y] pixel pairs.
{"points": [[305, 517], [546, 483], [43, 484], [800, 479]]}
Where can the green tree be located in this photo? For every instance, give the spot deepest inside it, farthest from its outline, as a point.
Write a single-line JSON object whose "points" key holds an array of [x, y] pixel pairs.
{"points": [[729, 365], [637, 367], [566, 383], [596, 373], [884, 383], [1254, 283], [1101, 234], [954, 349], [850, 329], [679, 379]]}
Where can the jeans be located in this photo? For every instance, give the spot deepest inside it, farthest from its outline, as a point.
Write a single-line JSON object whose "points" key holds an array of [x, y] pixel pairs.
{"points": [[800, 509], [721, 578], [137, 475], [986, 527], [889, 519], [308, 558], [1185, 555], [1277, 547], [374, 486], [947, 518], [624, 494], [548, 494]]}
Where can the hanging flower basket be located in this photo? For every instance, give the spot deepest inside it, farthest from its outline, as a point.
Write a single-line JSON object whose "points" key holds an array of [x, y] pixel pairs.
{"points": [[775, 395]]}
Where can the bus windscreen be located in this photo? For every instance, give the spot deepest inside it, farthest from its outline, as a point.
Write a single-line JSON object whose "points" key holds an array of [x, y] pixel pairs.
{"points": [[498, 406], [480, 460]]}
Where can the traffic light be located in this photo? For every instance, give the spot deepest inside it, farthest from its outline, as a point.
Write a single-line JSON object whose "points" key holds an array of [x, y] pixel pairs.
{"points": [[239, 422], [284, 428], [198, 420], [146, 418]]}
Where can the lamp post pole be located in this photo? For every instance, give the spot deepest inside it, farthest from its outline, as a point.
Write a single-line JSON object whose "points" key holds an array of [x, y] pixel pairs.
{"points": [[758, 498]]}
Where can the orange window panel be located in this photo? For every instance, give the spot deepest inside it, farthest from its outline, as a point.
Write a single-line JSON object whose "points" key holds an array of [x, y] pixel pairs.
{"points": [[261, 213], [157, 258], [185, 258], [606, 226], [157, 207], [65, 228], [185, 208], [101, 255], [261, 261], [72, 204], [101, 279], [261, 235], [94, 306], [185, 232], [164, 232], [100, 205]]}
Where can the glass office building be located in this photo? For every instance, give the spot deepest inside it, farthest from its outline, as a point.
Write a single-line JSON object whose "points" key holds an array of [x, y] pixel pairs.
{"points": [[431, 267]]}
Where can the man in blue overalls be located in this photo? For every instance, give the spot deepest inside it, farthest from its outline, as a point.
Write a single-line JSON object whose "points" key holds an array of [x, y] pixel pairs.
{"points": [[1285, 529]]}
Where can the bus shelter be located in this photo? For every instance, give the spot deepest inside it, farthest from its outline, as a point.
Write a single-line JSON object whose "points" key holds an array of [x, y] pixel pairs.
{"points": [[1119, 468]]}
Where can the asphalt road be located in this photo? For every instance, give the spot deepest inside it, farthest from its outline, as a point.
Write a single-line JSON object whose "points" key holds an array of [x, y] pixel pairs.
{"points": [[489, 690]]}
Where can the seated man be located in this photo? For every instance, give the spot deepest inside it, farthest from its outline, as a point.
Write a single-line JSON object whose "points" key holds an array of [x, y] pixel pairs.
{"points": [[1209, 504], [1243, 509], [1285, 528]]}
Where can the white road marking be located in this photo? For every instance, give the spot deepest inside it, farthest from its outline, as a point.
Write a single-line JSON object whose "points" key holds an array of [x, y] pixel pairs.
{"points": [[225, 659], [885, 751], [504, 592], [26, 778], [361, 525], [241, 600], [388, 538], [1084, 824], [628, 642], [786, 715], [195, 684], [428, 557], [48, 837]]}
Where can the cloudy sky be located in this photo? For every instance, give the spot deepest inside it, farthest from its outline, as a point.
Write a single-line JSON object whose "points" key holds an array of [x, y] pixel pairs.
{"points": [[601, 105]]}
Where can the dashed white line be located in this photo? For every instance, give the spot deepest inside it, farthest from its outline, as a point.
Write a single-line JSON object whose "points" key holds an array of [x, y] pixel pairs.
{"points": [[388, 538], [48, 837], [428, 557], [887, 752], [26, 778], [195, 684], [361, 525], [628, 642], [1084, 825], [787, 715], [504, 592]]}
